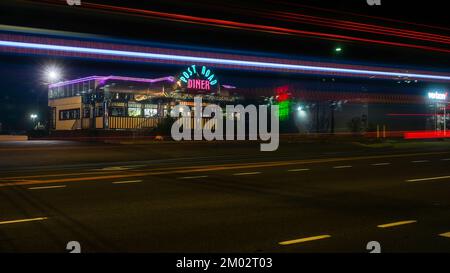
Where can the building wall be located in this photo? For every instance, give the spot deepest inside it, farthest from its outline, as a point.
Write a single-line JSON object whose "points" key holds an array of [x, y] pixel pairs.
{"points": [[343, 117], [65, 104], [401, 117]]}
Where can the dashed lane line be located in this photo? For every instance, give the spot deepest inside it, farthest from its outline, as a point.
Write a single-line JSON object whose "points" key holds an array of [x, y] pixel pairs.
{"points": [[127, 182], [47, 187], [399, 223], [342, 167], [248, 173], [428, 178], [298, 170], [303, 240], [23, 220], [193, 177]]}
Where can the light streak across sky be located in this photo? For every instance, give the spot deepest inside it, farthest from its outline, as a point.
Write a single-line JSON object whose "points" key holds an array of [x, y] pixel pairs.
{"points": [[273, 29], [227, 62]]}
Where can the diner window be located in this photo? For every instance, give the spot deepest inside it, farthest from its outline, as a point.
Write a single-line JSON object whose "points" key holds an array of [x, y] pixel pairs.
{"points": [[117, 111], [69, 114], [134, 112], [150, 110]]}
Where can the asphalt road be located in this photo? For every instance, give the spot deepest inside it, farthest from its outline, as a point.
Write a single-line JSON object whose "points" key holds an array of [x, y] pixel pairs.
{"points": [[223, 199]]}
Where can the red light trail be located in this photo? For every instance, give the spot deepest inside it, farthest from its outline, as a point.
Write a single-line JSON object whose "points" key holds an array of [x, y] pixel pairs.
{"points": [[400, 33], [361, 15], [348, 25], [426, 134]]}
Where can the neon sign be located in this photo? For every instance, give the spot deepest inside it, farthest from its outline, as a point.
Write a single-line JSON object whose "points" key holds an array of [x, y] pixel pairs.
{"points": [[437, 96], [203, 79]]}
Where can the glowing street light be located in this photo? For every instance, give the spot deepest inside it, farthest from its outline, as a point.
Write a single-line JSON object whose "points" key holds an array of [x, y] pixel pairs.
{"points": [[52, 74], [338, 49], [33, 118]]}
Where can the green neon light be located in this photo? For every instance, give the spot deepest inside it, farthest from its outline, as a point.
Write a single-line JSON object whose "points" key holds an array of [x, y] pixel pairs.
{"points": [[284, 108]]}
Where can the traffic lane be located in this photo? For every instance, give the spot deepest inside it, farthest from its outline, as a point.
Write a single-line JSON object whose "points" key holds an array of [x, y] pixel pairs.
{"points": [[202, 198], [146, 223], [140, 170], [421, 236], [247, 237], [398, 171], [327, 173], [348, 179], [32, 155], [78, 153], [388, 200]]}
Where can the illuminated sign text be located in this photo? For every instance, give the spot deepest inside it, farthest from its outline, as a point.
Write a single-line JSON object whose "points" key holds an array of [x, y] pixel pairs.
{"points": [[437, 96], [199, 78]]}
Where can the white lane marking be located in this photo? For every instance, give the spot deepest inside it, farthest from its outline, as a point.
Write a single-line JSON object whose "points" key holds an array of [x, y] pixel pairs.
{"points": [[126, 182], [47, 187], [381, 164], [428, 178], [342, 167], [298, 170], [250, 173], [23, 220], [420, 161], [445, 159], [394, 224], [112, 169], [446, 234], [193, 177], [119, 168]]}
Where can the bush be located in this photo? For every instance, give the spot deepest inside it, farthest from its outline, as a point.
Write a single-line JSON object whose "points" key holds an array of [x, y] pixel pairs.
{"points": [[164, 126]]}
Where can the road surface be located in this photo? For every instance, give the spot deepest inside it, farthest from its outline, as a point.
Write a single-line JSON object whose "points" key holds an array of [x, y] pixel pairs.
{"points": [[147, 198]]}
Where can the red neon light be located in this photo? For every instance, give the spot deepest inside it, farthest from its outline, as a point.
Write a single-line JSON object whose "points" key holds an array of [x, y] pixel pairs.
{"points": [[282, 93], [198, 84], [426, 134]]}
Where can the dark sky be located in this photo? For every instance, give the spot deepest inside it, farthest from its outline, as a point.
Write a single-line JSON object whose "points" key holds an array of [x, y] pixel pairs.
{"points": [[22, 92]]}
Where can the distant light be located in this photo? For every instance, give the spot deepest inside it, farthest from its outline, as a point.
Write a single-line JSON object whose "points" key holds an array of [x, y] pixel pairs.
{"points": [[33, 116], [437, 95], [301, 112], [52, 74], [338, 49]]}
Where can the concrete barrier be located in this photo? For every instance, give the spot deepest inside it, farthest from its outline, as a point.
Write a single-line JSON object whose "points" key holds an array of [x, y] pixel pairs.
{"points": [[13, 138]]}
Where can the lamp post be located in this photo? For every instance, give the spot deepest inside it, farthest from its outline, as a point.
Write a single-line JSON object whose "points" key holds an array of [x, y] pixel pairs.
{"points": [[52, 74], [33, 118]]}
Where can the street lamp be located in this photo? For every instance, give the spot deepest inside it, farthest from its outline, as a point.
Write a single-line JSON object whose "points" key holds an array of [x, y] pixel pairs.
{"points": [[52, 74], [33, 117]]}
